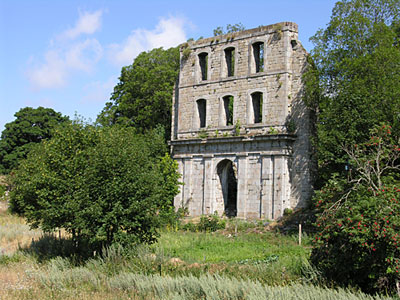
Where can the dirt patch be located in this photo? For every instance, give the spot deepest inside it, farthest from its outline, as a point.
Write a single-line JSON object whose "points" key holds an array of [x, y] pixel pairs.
{"points": [[176, 261]]}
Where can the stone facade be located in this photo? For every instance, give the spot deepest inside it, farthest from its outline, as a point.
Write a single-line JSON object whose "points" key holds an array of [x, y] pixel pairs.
{"points": [[240, 131]]}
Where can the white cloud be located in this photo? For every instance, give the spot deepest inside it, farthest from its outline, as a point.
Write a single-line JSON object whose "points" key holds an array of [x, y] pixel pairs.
{"points": [[67, 54], [99, 92], [70, 52], [88, 23], [168, 33], [49, 74], [83, 56], [60, 63]]}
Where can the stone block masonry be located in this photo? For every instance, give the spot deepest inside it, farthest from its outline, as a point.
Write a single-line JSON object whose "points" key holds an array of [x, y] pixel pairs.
{"points": [[240, 130]]}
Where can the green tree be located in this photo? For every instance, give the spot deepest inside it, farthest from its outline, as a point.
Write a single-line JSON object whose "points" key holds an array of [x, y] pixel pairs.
{"points": [[143, 96], [103, 185], [356, 80], [358, 224], [31, 126]]}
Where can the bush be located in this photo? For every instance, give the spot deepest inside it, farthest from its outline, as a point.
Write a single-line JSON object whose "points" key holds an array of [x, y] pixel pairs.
{"points": [[211, 223], [358, 222], [103, 185]]}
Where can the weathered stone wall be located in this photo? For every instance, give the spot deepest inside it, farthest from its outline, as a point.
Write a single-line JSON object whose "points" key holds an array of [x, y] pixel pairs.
{"points": [[272, 165]]}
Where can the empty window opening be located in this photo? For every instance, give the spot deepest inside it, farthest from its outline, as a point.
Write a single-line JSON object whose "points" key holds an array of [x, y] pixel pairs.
{"points": [[230, 61], [228, 182], [201, 109], [228, 110], [258, 53], [257, 101], [203, 60]]}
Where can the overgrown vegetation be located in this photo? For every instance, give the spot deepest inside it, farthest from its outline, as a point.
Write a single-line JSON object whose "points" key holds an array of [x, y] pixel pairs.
{"points": [[359, 217], [230, 28], [355, 82], [353, 86], [240, 262], [102, 185]]}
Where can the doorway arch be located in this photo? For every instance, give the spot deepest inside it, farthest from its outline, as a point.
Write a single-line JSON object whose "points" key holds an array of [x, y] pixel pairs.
{"points": [[226, 172]]}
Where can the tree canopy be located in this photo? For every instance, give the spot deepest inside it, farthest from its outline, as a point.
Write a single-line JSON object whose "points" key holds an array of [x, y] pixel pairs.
{"points": [[143, 96], [31, 126], [354, 86], [103, 185], [356, 80]]}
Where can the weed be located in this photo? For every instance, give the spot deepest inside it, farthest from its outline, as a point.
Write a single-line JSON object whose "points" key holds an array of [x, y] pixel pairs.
{"points": [[273, 131], [291, 126], [203, 134], [211, 223]]}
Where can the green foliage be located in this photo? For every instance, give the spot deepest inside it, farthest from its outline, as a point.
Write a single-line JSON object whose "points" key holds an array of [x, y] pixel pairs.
{"points": [[211, 223], [203, 134], [355, 80], [207, 223], [143, 97], [291, 126], [358, 222], [230, 111], [185, 51], [287, 211], [103, 185], [31, 126], [273, 131], [2, 190], [229, 29]]}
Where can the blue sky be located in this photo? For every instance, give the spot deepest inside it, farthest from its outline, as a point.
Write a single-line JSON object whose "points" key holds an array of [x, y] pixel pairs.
{"points": [[68, 54]]}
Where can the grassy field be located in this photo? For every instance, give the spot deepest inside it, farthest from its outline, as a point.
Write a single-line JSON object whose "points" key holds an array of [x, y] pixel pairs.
{"points": [[241, 262]]}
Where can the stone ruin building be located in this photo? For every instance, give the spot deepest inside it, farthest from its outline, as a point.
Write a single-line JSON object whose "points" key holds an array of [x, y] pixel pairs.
{"points": [[240, 131]]}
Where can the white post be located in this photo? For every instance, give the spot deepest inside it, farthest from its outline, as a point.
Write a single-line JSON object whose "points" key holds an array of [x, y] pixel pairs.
{"points": [[300, 234]]}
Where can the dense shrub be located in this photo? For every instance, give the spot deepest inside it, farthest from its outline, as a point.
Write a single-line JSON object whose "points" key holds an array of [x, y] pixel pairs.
{"points": [[207, 223], [211, 223], [358, 222], [103, 185]]}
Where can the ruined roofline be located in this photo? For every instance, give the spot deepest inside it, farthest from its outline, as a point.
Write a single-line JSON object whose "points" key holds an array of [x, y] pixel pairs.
{"points": [[268, 29]]}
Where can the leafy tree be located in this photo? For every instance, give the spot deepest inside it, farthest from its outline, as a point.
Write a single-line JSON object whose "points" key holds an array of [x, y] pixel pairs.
{"points": [[143, 96], [229, 29], [356, 80], [31, 126], [103, 185], [358, 239]]}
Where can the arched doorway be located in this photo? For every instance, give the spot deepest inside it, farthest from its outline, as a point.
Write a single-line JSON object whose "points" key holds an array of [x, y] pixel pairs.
{"points": [[227, 177]]}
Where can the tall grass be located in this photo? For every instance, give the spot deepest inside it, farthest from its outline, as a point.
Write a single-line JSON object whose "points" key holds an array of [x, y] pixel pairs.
{"points": [[241, 262], [14, 232], [57, 278]]}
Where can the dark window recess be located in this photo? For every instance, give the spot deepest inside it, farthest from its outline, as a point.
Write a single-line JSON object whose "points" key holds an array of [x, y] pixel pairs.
{"points": [[203, 59], [230, 60], [258, 52], [228, 107], [201, 108], [257, 100]]}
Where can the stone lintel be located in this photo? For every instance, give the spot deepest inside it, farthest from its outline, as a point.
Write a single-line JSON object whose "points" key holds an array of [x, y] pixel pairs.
{"points": [[235, 139]]}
